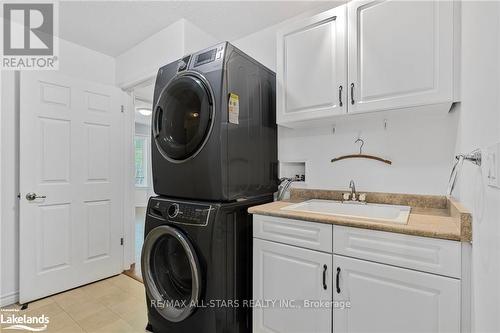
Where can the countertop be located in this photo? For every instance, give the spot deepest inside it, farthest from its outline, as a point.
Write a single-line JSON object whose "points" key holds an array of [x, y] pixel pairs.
{"points": [[431, 216]]}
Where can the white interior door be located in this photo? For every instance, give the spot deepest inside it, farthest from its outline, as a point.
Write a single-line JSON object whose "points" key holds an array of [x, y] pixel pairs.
{"points": [[71, 157]]}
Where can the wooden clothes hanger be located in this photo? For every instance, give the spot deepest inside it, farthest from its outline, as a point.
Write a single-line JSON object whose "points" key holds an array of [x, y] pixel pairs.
{"points": [[361, 155]]}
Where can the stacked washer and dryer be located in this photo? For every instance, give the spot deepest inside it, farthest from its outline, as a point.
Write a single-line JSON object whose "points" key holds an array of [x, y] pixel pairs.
{"points": [[214, 154]]}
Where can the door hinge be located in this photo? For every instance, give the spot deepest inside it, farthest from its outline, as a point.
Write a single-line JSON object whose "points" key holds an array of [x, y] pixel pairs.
{"points": [[121, 241], [122, 108]]}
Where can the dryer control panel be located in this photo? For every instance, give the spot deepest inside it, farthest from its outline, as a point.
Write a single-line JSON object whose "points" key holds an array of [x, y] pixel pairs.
{"points": [[181, 212], [183, 63], [209, 59]]}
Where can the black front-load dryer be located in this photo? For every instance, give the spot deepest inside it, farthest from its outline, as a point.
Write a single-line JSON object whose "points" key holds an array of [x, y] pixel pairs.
{"points": [[214, 133], [197, 265]]}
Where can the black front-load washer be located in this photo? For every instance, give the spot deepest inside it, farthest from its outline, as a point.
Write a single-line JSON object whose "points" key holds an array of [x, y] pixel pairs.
{"points": [[214, 133], [197, 265]]}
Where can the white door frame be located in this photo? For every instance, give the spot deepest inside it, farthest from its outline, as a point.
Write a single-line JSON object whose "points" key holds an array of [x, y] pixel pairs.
{"points": [[143, 81], [129, 186], [129, 204]]}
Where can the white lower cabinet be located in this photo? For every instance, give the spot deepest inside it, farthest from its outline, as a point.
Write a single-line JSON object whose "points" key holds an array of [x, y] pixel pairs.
{"points": [[290, 275], [361, 281], [385, 298]]}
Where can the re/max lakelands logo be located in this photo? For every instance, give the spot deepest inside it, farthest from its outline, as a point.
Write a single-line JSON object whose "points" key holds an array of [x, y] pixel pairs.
{"points": [[29, 31], [16, 321]]}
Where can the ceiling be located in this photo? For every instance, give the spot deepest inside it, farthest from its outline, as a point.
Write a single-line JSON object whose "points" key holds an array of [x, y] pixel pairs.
{"points": [[112, 27]]}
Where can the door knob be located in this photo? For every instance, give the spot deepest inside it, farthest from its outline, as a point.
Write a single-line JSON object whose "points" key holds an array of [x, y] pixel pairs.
{"points": [[32, 196]]}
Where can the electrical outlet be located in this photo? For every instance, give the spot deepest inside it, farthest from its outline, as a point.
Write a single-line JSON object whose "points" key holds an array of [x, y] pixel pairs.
{"points": [[493, 165]]}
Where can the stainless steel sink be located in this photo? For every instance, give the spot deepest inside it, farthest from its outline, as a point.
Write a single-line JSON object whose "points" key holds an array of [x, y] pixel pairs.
{"points": [[369, 211]]}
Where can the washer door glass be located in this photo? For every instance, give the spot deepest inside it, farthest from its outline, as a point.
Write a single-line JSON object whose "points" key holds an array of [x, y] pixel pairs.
{"points": [[171, 273], [183, 116]]}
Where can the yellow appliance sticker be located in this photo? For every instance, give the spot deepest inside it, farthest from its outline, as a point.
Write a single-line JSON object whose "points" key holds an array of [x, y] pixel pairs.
{"points": [[234, 108]]}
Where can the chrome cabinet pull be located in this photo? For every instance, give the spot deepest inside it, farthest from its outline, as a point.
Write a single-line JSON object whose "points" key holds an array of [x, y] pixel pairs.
{"points": [[352, 93], [338, 280], [340, 96], [325, 267]]}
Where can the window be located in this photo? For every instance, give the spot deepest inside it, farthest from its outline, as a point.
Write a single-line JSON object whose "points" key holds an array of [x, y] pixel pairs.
{"points": [[141, 160]]}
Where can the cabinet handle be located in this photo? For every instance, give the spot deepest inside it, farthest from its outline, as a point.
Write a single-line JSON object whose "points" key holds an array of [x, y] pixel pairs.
{"points": [[352, 93], [337, 280], [340, 96], [324, 276]]}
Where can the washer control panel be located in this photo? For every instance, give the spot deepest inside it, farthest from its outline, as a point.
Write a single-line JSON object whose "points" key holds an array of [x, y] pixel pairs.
{"points": [[173, 210], [180, 212]]}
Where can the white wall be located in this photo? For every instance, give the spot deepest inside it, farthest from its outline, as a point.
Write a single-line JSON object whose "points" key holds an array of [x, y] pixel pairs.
{"points": [[261, 45], [196, 39], [480, 127], [83, 63], [9, 231], [143, 60], [421, 144], [75, 61]]}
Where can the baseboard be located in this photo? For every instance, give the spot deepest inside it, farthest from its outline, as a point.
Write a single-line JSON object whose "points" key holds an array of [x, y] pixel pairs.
{"points": [[9, 299]]}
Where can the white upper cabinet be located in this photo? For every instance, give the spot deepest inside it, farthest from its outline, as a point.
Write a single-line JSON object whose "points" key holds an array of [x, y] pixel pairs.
{"points": [[311, 68], [366, 56], [400, 54]]}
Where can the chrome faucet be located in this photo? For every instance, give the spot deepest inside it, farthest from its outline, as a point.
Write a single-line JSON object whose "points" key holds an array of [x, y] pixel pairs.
{"points": [[353, 196], [352, 186]]}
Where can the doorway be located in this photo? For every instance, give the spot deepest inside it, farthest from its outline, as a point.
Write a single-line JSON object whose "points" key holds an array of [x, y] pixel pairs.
{"points": [[143, 100]]}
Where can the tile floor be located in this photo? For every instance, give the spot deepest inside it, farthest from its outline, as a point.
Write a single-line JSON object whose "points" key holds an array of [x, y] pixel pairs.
{"points": [[113, 305]]}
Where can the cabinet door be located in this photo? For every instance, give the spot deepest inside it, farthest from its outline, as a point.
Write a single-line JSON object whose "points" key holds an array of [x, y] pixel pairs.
{"points": [[400, 54], [386, 299], [289, 274], [312, 68]]}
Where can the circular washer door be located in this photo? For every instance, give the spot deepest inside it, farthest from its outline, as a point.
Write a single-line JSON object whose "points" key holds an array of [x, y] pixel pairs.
{"points": [[183, 116], [171, 273]]}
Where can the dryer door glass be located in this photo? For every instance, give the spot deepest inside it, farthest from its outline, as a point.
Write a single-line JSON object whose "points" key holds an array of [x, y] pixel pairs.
{"points": [[183, 116], [171, 272]]}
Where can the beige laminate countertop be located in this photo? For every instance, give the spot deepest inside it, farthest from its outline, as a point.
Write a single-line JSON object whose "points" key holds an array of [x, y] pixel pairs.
{"points": [[431, 216]]}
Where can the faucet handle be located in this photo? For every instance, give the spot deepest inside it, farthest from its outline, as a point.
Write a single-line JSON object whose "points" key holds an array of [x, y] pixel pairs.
{"points": [[362, 197], [346, 196]]}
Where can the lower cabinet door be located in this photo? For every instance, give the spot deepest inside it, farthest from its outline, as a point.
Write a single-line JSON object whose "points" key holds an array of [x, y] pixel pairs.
{"points": [[291, 289], [385, 299]]}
